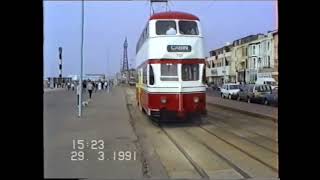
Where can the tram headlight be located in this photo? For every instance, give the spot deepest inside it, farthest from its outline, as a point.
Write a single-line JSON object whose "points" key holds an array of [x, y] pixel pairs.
{"points": [[163, 100], [195, 99]]}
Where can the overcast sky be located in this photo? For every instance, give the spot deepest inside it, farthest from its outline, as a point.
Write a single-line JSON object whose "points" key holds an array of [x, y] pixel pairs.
{"points": [[108, 23]]}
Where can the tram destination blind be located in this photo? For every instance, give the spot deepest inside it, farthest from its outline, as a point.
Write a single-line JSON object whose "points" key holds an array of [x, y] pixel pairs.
{"points": [[179, 48]]}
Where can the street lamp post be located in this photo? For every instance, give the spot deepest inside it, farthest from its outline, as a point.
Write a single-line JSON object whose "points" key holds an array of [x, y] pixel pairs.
{"points": [[60, 66], [81, 64]]}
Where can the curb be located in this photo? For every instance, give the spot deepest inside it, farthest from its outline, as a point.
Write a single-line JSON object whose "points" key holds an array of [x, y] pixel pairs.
{"points": [[53, 89], [245, 112]]}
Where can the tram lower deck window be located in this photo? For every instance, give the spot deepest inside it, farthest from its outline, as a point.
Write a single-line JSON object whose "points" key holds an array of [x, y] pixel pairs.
{"points": [[190, 72], [169, 72]]}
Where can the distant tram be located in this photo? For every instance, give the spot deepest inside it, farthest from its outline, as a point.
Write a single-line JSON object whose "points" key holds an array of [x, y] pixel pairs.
{"points": [[171, 67]]}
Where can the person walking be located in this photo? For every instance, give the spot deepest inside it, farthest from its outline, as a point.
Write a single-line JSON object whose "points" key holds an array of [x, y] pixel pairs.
{"points": [[72, 86], [93, 85], [78, 94], [96, 87], [90, 88], [106, 85], [68, 86], [111, 84], [84, 85], [99, 86]]}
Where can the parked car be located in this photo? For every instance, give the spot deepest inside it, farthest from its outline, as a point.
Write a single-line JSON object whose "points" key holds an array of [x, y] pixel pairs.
{"points": [[254, 92], [272, 98], [230, 90], [268, 81], [216, 87], [213, 86]]}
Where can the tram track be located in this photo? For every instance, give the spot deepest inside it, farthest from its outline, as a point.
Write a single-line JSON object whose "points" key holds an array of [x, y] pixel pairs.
{"points": [[231, 164], [232, 129], [225, 170], [198, 168], [188, 127], [201, 172], [255, 166], [240, 149], [235, 112], [251, 126]]}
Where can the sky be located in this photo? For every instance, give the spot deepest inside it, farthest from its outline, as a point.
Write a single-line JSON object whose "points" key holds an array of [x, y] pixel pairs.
{"points": [[108, 23]]}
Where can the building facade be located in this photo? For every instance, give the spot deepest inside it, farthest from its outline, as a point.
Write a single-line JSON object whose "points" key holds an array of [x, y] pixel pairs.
{"points": [[275, 73], [246, 60], [220, 66], [246, 53]]}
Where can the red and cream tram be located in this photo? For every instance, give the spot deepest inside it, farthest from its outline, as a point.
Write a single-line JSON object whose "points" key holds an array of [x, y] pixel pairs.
{"points": [[170, 66]]}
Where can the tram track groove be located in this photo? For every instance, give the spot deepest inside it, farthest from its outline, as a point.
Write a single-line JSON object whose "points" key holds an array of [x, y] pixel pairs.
{"points": [[231, 164], [240, 149], [247, 139], [210, 114], [228, 112], [201, 172]]}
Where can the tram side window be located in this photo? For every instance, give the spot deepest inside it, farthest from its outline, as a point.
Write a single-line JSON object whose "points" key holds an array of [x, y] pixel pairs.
{"points": [[144, 75], [204, 77], [190, 72], [151, 75], [188, 28], [144, 35], [169, 72], [166, 28]]}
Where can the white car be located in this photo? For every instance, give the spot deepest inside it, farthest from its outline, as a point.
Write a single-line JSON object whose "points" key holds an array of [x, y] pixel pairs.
{"points": [[269, 81], [230, 90]]}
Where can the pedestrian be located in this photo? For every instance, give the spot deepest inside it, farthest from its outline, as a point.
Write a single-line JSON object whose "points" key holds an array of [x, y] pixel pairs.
{"points": [[93, 84], [68, 86], [72, 86], [102, 85], [106, 85], [84, 85], [78, 94], [96, 86], [99, 86], [90, 88], [110, 85]]}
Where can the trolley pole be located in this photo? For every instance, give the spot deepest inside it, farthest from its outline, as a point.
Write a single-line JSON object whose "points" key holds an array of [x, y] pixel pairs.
{"points": [[81, 64]]}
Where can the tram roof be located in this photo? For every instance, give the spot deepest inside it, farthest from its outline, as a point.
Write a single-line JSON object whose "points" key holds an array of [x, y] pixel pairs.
{"points": [[174, 15]]}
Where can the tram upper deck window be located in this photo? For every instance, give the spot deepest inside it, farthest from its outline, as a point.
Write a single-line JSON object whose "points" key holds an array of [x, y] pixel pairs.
{"points": [[188, 28], [190, 72], [166, 28]]}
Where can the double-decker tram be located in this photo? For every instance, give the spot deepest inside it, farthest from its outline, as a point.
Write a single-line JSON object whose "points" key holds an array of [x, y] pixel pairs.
{"points": [[171, 66]]}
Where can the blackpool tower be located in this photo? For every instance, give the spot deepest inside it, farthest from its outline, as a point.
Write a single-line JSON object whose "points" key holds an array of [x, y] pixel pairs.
{"points": [[125, 66]]}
